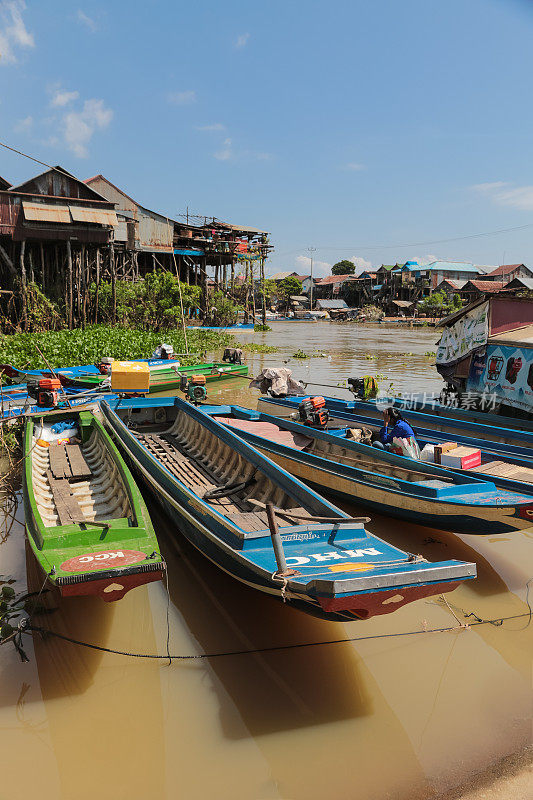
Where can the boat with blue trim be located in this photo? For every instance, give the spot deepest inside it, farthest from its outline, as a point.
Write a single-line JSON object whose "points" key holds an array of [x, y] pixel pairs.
{"points": [[233, 504], [429, 494], [343, 412]]}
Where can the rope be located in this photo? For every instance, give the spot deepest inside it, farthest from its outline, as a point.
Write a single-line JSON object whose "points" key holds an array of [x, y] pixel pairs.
{"points": [[27, 627]]}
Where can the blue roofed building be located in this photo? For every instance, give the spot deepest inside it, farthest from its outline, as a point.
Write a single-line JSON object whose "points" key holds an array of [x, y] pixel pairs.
{"points": [[437, 271]]}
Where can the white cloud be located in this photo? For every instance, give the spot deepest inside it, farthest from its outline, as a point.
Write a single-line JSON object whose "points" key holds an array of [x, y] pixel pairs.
{"points": [[225, 153], [181, 98], [242, 40], [216, 126], [61, 99], [505, 194], [422, 260], [361, 264], [79, 126], [320, 268], [353, 167], [87, 21], [23, 125], [13, 32]]}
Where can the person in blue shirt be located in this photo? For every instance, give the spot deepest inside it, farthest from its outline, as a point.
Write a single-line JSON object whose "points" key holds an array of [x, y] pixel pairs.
{"points": [[395, 428]]}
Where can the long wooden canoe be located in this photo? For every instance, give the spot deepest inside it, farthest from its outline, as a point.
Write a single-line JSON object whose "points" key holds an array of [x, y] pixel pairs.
{"points": [[341, 412], [163, 377], [215, 487], [428, 494], [86, 521]]}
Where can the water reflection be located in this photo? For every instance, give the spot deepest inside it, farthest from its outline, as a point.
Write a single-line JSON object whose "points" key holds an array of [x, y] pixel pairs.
{"points": [[401, 718]]}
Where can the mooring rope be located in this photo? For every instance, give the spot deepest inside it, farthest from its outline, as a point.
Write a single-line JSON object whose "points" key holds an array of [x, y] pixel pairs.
{"points": [[27, 627]]}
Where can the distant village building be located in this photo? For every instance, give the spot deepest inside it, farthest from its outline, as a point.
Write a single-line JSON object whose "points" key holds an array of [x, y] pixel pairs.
{"points": [[507, 272], [67, 235]]}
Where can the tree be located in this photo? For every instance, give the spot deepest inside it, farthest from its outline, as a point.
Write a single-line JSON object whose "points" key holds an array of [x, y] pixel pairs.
{"points": [[438, 304], [288, 287], [344, 267]]}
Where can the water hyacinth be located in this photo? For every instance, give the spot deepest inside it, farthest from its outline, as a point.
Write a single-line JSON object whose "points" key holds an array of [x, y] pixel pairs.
{"points": [[66, 348]]}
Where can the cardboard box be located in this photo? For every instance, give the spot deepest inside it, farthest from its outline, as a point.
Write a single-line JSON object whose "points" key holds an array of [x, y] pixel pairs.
{"points": [[462, 458], [130, 376], [443, 447]]}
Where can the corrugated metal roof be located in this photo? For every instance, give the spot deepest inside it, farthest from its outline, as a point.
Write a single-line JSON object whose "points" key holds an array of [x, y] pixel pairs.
{"points": [[334, 279], [445, 266], [331, 304], [97, 216], [243, 228], [505, 269], [485, 286], [527, 283], [39, 212], [402, 303], [519, 336]]}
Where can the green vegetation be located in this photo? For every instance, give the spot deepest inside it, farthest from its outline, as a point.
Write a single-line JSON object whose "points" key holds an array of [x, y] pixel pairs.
{"points": [[152, 304], [253, 347], [13, 605], [262, 328], [300, 354], [430, 353], [288, 287], [85, 346], [343, 267], [439, 305]]}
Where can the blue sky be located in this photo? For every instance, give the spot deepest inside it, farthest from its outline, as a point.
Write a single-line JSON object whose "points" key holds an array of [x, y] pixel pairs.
{"points": [[353, 127]]}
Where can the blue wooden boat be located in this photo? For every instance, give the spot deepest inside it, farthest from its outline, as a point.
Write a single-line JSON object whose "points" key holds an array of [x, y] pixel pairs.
{"points": [[342, 412], [428, 494], [497, 458], [23, 406], [243, 326], [215, 487], [419, 402], [21, 375]]}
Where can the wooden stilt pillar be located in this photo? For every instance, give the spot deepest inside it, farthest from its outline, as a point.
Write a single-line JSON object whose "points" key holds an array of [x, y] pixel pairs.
{"points": [[97, 284], [113, 283], [44, 281], [70, 296]]}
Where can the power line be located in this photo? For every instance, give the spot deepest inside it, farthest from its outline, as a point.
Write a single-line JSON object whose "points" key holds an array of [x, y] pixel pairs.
{"points": [[413, 244], [43, 163]]}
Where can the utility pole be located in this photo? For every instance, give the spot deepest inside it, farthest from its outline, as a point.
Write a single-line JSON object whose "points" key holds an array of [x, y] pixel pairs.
{"points": [[311, 250]]}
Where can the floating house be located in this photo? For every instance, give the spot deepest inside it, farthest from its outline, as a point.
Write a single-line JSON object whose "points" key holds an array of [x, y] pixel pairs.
{"points": [[486, 350]]}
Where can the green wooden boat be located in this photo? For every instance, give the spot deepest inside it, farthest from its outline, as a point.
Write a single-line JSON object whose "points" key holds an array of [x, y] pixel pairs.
{"points": [[86, 521], [162, 377]]}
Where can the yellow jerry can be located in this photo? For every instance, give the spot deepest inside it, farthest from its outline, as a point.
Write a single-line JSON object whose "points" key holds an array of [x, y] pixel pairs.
{"points": [[130, 376]]}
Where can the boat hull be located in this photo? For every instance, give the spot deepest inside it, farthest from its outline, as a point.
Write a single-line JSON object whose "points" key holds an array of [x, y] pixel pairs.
{"points": [[342, 411], [91, 536], [252, 562]]}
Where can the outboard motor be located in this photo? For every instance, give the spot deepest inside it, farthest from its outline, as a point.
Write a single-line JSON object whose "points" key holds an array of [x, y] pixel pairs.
{"points": [[164, 352], [104, 365], [357, 386], [233, 354], [195, 390], [313, 412], [365, 388], [45, 391]]}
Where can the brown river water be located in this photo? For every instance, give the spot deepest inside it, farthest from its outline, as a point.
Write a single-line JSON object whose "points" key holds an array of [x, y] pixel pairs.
{"points": [[399, 717]]}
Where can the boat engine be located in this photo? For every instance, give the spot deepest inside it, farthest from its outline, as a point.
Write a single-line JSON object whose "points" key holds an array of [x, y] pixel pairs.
{"points": [[104, 365], [195, 390], [45, 391], [313, 413]]}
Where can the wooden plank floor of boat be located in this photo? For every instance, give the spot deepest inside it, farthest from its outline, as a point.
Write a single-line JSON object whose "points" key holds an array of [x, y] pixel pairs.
{"points": [[502, 469], [199, 478]]}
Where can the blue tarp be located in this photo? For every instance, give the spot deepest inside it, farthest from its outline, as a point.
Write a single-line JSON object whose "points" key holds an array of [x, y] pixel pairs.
{"points": [[188, 252]]}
